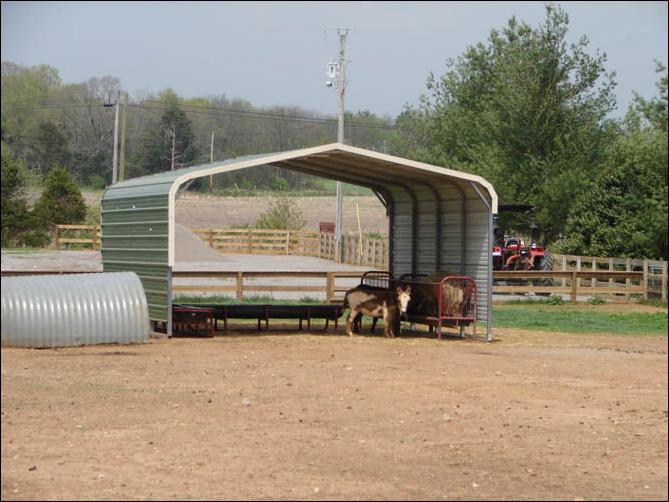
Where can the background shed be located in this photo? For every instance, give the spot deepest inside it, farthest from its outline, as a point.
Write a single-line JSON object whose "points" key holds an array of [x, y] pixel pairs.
{"points": [[439, 218]]}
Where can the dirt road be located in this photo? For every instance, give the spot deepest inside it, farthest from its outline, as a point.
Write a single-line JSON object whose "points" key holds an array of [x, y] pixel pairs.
{"points": [[532, 416]]}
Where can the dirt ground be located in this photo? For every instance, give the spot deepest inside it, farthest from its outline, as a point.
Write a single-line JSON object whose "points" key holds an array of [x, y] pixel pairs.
{"points": [[531, 416]]}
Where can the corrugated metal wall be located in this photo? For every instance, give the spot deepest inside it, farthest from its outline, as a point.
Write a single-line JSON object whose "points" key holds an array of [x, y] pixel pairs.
{"points": [[465, 239], [135, 238], [78, 309]]}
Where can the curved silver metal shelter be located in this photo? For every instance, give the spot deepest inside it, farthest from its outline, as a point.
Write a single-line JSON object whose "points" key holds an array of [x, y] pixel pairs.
{"points": [[439, 218]]}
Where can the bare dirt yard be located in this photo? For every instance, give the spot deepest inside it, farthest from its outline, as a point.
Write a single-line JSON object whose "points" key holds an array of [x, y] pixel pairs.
{"points": [[531, 416]]}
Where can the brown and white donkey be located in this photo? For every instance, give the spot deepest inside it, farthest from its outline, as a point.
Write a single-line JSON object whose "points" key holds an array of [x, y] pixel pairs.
{"points": [[386, 303]]}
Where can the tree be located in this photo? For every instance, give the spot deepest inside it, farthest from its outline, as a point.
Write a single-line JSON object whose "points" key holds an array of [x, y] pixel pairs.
{"points": [[14, 209], [625, 211], [655, 110], [524, 110], [61, 201], [51, 148], [282, 214], [168, 146]]}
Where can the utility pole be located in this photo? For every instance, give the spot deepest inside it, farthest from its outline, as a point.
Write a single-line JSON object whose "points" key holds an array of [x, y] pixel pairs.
{"points": [[211, 159], [121, 165], [341, 67], [115, 151], [173, 132]]}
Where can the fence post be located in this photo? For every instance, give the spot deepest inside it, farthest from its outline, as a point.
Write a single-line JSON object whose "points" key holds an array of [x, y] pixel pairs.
{"points": [[288, 242], [593, 282], [564, 269], [611, 267], [664, 282], [645, 279], [578, 269], [628, 282], [574, 285], [240, 286], [57, 238], [211, 237], [329, 287]]}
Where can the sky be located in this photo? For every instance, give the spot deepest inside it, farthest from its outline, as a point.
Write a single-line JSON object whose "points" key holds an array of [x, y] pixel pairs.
{"points": [[275, 53]]}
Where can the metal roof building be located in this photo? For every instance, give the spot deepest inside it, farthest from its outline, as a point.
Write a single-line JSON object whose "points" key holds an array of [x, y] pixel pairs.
{"points": [[439, 218]]}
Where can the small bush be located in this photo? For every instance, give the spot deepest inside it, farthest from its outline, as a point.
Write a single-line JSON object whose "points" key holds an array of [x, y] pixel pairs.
{"points": [[282, 214], [596, 300], [374, 235], [555, 300]]}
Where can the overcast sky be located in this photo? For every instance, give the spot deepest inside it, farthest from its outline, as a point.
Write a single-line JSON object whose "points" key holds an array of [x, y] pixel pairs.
{"points": [[275, 53]]}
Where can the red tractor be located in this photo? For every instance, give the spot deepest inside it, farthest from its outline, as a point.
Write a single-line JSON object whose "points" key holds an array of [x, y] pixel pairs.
{"points": [[513, 253]]}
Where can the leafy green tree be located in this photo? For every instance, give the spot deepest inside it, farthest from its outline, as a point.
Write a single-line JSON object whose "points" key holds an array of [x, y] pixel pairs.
{"points": [[168, 146], [61, 201], [526, 110], [282, 214], [25, 90], [624, 213], [655, 109], [51, 147], [14, 209]]}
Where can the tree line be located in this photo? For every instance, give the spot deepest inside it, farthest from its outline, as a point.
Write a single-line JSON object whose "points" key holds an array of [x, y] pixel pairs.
{"points": [[525, 109]]}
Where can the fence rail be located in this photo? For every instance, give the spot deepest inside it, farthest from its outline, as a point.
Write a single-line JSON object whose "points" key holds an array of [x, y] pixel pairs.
{"points": [[333, 284], [330, 284], [261, 241], [373, 252], [82, 235]]}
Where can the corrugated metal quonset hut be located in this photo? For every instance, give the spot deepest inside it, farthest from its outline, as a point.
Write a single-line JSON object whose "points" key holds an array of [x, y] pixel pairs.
{"points": [[438, 217]]}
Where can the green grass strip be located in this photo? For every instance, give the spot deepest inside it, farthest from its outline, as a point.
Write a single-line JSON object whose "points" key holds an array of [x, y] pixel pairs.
{"points": [[575, 321]]}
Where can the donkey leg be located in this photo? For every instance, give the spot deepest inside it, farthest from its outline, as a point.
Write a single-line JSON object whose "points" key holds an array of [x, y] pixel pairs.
{"points": [[357, 323], [349, 321], [387, 323]]}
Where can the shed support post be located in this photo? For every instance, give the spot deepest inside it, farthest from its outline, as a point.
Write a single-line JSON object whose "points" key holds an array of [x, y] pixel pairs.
{"points": [[169, 302], [489, 248]]}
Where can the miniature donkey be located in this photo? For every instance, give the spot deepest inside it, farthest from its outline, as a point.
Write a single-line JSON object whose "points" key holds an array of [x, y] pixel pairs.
{"points": [[376, 303]]}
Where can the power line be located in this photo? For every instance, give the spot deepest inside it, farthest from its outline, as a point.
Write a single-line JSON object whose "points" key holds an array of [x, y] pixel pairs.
{"points": [[264, 114], [211, 111]]}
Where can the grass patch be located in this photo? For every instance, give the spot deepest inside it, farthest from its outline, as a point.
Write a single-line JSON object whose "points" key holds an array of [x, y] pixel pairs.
{"points": [[25, 250], [250, 300], [544, 318]]}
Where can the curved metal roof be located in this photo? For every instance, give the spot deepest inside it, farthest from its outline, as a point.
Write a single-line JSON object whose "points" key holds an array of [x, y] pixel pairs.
{"points": [[335, 161], [378, 171]]}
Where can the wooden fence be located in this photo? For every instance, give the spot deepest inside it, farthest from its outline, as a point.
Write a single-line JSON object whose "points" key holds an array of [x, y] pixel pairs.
{"points": [[653, 274], [573, 283], [261, 241], [83, 236], [332, 285], [373, 253], [329, 284]]}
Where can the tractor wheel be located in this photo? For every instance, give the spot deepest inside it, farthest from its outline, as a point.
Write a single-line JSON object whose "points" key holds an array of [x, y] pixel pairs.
{"points": [[546, 265]]}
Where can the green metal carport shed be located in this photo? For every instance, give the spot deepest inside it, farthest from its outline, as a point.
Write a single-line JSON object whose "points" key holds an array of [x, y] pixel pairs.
{"points": [[439, 218]]}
